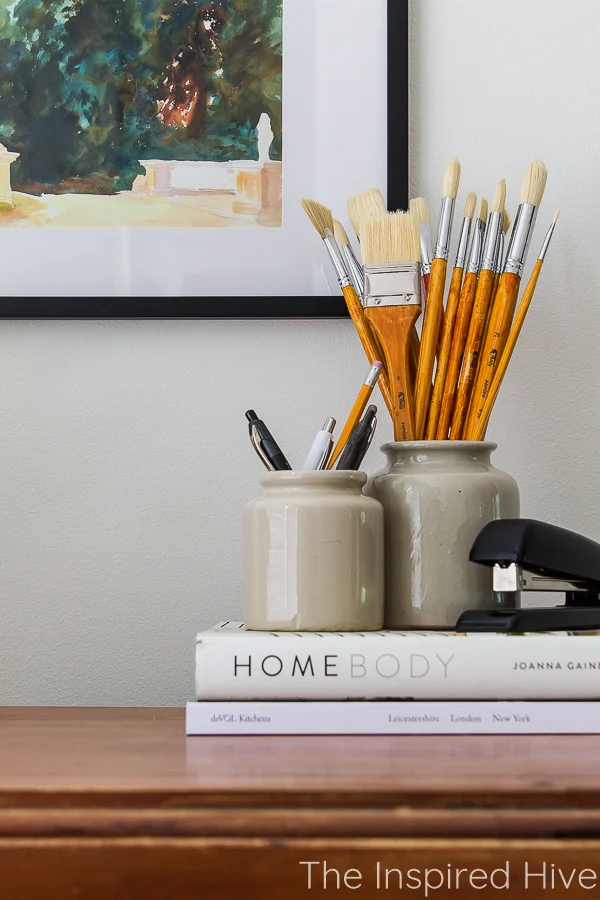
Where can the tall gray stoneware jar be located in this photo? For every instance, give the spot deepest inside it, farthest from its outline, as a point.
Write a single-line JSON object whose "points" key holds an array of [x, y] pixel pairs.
{"points": [[437, 496]]}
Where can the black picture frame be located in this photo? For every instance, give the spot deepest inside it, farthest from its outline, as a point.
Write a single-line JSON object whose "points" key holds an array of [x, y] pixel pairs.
{"points": [[329, 307]]}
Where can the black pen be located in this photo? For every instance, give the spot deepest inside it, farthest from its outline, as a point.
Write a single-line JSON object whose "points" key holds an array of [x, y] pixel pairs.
{"points": [[359, 441], [271, 451], [366, 443]]}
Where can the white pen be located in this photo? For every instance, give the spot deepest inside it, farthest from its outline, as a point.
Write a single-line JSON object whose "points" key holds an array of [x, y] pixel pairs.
{"points": [[321, 448]]}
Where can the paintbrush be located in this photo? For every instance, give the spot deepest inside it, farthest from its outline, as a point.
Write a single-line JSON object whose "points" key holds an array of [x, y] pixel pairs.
{"points": [[506, 223], [353, 267], [322, 219], [435, 298], [391, 255], [515, 331], [450, 318], [500, 253], [534, 185], [479, 316], [420, 210], [463, 320], [364, 206]]}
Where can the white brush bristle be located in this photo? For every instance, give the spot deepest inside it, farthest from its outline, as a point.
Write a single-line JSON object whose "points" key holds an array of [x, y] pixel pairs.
{"points": [[419, 209], [319, 215], [451, 179], [470, 204], [364, 206], [483, 210], [506, 222], [341, 235], [391, 238], [499, 198], [556, 215], [534, 183]]}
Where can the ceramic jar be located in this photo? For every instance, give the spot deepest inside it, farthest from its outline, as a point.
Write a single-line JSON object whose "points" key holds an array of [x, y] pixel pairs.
{"points": [[313, 554], [437, 496]]}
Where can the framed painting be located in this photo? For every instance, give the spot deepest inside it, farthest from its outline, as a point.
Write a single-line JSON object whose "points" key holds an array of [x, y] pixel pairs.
{"points": [[153, 153]]}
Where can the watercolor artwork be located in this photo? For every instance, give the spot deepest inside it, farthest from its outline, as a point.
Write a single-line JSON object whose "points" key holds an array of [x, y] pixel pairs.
{"points": [[141, 113]]}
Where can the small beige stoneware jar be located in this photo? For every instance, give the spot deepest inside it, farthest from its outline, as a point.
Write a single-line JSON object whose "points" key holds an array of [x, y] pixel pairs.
{"points": [[437, 496], [313, 554]]}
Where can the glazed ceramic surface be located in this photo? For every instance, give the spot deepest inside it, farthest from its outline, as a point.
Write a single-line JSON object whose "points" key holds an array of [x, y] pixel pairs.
{"points": [[313, 554], [437, 496]]}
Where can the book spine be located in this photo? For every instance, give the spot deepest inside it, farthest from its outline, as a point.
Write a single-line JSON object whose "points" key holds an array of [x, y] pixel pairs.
{"points": [[415, 667], [278, 718]]}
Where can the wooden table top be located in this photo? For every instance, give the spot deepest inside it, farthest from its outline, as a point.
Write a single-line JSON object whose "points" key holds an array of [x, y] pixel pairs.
{"points": [[101, 799], [124, 752]]}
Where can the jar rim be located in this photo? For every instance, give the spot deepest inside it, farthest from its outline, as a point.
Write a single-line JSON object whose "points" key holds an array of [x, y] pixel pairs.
{"points": [[439, 445], [325, 478]]}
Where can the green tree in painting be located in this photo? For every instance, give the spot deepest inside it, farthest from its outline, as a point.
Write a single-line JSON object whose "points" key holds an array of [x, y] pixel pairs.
{"points": [[86, 86]]}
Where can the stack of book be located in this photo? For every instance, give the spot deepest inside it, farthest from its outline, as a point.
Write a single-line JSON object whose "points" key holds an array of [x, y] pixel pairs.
{"points": [[250, 682]]}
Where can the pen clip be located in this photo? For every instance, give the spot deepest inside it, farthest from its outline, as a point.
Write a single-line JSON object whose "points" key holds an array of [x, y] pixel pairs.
{"points": [[256, 443], [367, 443]]}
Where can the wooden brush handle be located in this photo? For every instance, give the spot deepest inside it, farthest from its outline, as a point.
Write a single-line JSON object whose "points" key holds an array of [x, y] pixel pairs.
{"points": [[415, 349], [393, 326], [482, 423], [475, 337], [495, 341], [444, 353], [431, 328], [497, 278], [369, 341], [459, 339]]}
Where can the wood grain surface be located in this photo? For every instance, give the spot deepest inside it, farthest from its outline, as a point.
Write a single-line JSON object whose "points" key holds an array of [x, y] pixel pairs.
{"points": [[255, 869], [118, 803], [70, 757]]}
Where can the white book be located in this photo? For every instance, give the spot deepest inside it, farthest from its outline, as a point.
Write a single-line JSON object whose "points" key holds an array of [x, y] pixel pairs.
{"points": [[235, 664], [389, 717]]}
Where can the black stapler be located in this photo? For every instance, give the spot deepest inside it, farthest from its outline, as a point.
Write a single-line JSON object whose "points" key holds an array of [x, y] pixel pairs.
{"points": [[527, 555]]}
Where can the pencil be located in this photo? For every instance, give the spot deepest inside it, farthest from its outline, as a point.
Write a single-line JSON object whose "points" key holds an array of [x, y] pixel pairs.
{"points": [[364, 395]]}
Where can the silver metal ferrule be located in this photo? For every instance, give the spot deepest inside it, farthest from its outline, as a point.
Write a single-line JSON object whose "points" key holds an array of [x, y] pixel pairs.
{"points": [[520, 239], [442, 248], [546, 244], [476, 248], [337, 259], [482, 228], [490, 245], [500, 254], [396, 284], [355, 270], [426, 247], [461, 253]]}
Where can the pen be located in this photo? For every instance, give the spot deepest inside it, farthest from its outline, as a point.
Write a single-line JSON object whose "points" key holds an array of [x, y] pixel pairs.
{"points": [[255, 441], [367, 443], [357, 410], [265, 444], [359, 442], [321, 448]]}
